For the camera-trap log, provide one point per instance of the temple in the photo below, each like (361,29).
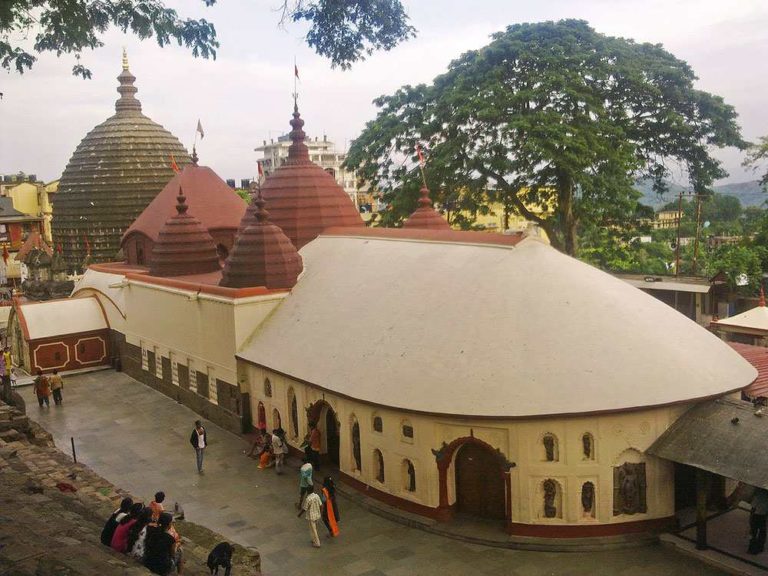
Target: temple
(448,371)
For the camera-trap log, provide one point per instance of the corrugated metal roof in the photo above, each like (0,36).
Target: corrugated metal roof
(758,357)
(723,436)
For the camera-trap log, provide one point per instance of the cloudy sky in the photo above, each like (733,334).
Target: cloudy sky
(244,96)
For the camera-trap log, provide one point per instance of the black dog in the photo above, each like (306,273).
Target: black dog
(220,556)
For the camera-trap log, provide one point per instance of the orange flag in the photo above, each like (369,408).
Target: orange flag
(174,166)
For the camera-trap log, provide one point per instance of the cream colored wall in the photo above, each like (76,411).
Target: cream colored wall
(193,327)
(618,438)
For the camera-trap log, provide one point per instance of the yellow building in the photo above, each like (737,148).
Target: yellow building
(33,198)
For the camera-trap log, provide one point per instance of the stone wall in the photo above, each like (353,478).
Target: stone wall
(53,511)
(227,412)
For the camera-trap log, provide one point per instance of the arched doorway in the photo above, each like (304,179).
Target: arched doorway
(480,485)
(325,417)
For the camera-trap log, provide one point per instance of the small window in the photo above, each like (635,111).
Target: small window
(262,417)
(407,431)
(356,453)
(378,465)
(378,425)
(277,422)
(267,388)
(294,413)
(409,476)
(588,446)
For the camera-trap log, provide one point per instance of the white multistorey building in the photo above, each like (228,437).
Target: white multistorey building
(322,152)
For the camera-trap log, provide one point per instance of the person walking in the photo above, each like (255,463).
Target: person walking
(42,389)
(330,508)
(57,385)
(305,481)
(199,441)
(312,506)
(279,449)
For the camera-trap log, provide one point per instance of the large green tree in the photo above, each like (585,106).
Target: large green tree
(757,157)
(557,119)
(344,32)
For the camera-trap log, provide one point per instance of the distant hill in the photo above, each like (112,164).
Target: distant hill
(748,193)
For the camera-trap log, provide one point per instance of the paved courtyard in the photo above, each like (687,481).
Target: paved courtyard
(138,439)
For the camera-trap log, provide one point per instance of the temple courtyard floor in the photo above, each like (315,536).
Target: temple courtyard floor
(138,439)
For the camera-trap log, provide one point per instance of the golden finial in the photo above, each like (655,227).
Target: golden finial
(125,60)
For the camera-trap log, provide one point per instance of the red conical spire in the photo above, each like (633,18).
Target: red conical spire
(262,255)
(303,198)
(425,217)
(183,247)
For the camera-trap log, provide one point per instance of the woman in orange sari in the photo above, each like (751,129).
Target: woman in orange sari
(330,509)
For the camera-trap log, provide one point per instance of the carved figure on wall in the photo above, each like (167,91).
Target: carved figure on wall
(550,493)
(586,441)
(629,489)
(588,498)
(549,447)
(411,477)
(356,445)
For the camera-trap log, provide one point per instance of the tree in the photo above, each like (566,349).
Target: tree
(345,32)
(757,155)
(554,116)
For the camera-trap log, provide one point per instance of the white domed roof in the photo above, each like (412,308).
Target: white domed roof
(453,328)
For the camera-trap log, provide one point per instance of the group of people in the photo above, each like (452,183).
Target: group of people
(269,449)
(146,533)
(47,386)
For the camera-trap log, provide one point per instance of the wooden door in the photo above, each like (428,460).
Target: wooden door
(479,483)
(332,436)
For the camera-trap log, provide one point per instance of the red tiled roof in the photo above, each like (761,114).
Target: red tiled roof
(183,246)
(758,357)
(34,240)
(209,198)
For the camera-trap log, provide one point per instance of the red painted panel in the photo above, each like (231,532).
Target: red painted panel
(70,352)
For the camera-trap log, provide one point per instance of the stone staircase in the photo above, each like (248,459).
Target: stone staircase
(47,532)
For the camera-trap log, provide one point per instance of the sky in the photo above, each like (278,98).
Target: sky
(244,96)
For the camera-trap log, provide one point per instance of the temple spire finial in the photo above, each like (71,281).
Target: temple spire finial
(125,59)
(181,207)
(126,89)
(194,156)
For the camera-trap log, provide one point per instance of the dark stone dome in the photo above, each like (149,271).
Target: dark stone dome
(303,198)
(114,173)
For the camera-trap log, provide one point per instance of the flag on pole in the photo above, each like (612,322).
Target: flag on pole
(261,169)
(421,155)
(174,166)
(296,71)
(200,129)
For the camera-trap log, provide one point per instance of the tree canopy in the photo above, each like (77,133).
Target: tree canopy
(757,157)
(344,32)
(555,118)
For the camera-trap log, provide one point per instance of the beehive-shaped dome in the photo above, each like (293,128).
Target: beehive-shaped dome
(114,173)
(303,198)
(425,216)
(184,247)
(262,255)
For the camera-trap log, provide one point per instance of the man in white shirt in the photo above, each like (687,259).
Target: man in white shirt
(313,506)
(199,441)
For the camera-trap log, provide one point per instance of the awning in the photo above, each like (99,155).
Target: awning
(724,436)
